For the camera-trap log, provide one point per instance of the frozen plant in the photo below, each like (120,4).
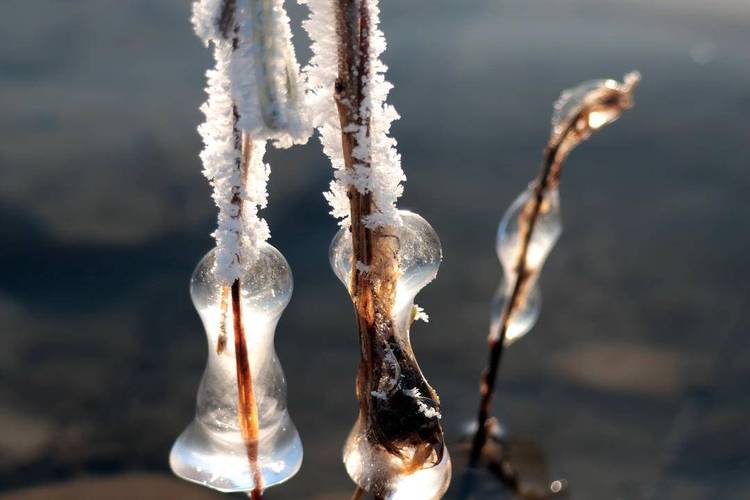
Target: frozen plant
(383,256)
(531,226)
(242,438)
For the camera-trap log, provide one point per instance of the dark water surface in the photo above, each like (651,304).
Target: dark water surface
(634,384)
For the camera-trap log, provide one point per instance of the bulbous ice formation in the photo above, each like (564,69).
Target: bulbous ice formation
(212,450)
(577,114)
(396,449)
(546,232)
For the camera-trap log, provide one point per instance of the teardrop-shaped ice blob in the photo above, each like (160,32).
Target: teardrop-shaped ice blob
(404,411)
(212,451)
(571,100)
(545,234)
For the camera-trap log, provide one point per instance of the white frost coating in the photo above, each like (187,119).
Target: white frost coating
(265,74)
(420,314)
(206,19)
(425,409)
(379,395)
(362,267)
(384,176)
(428,411)
(262,70)
(259,80)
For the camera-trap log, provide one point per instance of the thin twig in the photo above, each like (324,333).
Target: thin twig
(497,344)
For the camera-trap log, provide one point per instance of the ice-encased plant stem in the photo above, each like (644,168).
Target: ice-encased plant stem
(242,438)
(382,255)
(531,226)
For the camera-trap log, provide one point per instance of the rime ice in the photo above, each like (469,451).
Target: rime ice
(384,178)
(252,89)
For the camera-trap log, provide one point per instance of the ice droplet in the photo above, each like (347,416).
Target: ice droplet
(211,451)
(546,232)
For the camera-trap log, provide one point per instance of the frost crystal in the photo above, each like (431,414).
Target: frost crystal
(419,314)
(428,411)
(253,89)
(379,395)
(425,409)
(384,176)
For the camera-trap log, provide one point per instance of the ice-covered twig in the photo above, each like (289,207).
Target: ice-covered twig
(253,90)
(358,77)
(578,113)
(253,97)
(395,435)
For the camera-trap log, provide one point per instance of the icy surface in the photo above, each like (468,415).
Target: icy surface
(384,176)
(369,465)
(546,233)
(253,88)
(211,451)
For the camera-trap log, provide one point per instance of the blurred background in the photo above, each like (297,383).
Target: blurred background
(634,383)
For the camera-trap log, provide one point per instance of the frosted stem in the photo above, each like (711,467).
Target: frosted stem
(247,407)
(221,344)
(601,104)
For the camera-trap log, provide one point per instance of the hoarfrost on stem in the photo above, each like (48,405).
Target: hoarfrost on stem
(378,168)
(253,91)
(419,314)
